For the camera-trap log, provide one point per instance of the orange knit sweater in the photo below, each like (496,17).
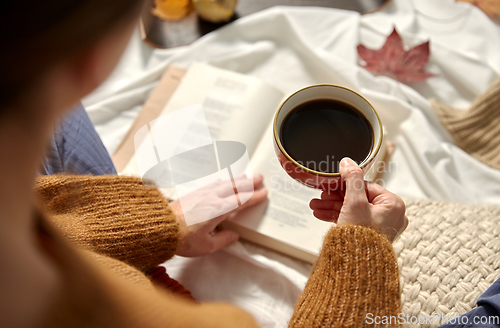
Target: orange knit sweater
(103,233)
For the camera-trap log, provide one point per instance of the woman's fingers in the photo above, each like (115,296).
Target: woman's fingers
(247,184)
(241,184)
(250,198)
(222,239)
(332,195)
(327,215)
(247,199)
(320,204)
(255,198)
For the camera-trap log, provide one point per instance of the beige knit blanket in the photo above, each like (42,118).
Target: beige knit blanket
(477,129)
(448,256)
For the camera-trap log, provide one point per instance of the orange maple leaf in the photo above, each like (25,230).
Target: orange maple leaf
(393,61)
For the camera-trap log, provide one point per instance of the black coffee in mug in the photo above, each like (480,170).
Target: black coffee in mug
(319,133)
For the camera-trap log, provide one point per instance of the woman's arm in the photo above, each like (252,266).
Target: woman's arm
(355,281)
(115,216)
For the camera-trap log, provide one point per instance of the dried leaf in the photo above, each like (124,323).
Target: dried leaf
(490,7)
(393,61)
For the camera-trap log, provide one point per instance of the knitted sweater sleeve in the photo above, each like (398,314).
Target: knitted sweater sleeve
(115,216)
(354,283)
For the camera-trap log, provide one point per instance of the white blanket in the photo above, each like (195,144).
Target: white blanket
(291,47)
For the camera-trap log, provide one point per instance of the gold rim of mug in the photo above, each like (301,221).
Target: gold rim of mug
(337,174)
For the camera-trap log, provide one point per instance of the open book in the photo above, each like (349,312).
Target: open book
(240,108)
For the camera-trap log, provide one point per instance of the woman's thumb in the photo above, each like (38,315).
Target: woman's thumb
(351,173)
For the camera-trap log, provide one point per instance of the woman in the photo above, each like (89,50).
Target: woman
(75,250)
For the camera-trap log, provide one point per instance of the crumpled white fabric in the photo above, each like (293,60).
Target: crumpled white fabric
(291,47)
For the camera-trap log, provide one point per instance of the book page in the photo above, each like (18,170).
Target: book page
(234,107)
(286,215)
(237,107)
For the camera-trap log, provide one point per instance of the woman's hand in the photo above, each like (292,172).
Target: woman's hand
(364,203)
(203,238)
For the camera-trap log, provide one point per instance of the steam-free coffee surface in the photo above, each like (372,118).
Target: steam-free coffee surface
(319,133)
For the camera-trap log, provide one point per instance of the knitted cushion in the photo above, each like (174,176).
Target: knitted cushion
(448,256)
